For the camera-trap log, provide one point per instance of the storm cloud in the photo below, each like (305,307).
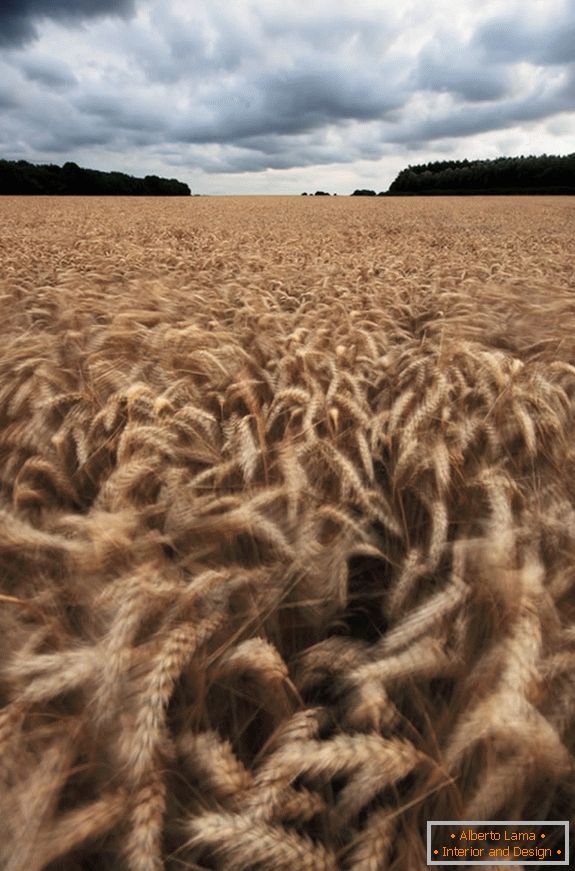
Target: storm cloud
(302,90)
(544,38)
(18,18)
(49,72)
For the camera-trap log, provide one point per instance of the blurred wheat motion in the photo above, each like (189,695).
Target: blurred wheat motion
(287,529)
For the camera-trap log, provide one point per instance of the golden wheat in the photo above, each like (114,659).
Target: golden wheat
(287,529)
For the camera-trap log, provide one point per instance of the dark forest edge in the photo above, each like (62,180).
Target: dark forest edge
(546,174)
(21,177)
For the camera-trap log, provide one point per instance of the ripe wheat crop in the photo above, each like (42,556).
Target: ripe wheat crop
(287,528)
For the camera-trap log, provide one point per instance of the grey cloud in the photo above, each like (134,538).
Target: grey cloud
(330,94)
(67,139)
(561,46)
(279,152)
(292,102)
(134,113)
(479,74)
(509,39)
(48,71)
(506,39)
(221,38)
(194,47)
(48,122)
(328,33)
(18,17)
(15,29)
(231,161)
(12,90)
(170,50)
(446,65)
(464,121)
(7,99)
(567,90)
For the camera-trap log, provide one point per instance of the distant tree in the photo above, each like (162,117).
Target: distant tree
(363,193)
(321,194)
(304,194)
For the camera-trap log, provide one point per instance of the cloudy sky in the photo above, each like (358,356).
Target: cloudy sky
(282,96)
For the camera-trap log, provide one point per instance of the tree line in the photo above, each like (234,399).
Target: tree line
(547,174)
(21,177)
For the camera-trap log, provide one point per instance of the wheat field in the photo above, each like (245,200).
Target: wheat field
(287,528)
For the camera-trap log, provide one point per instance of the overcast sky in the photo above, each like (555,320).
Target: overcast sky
(282,96)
